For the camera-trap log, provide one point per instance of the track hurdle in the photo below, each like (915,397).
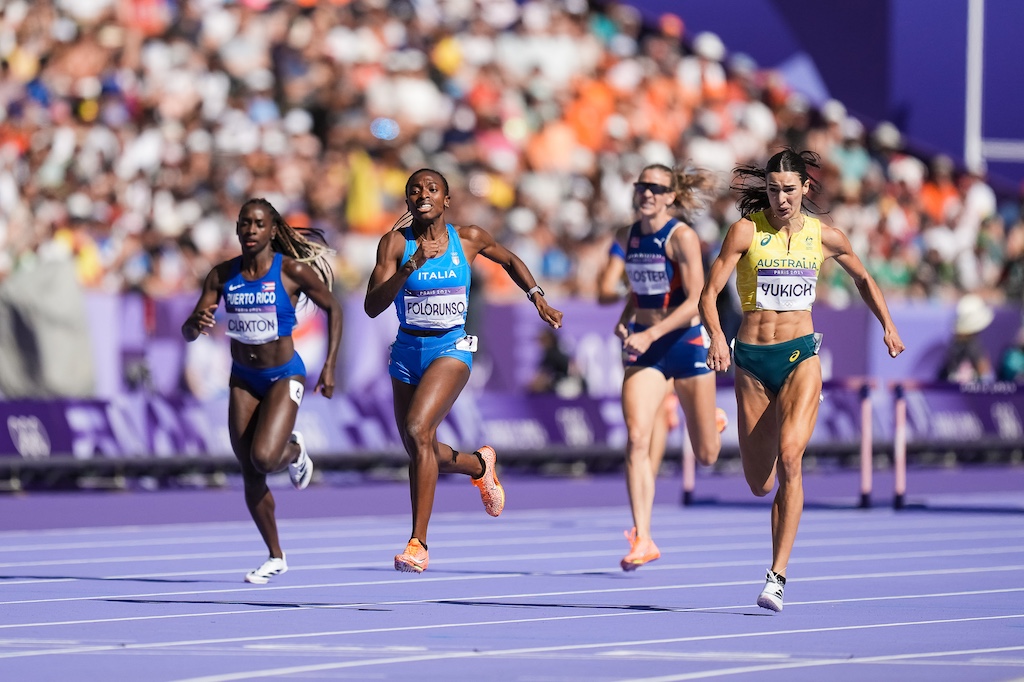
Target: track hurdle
(899,446)
(866,444)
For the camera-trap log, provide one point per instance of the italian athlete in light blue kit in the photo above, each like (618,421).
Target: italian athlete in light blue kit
(260,289)
(423,268)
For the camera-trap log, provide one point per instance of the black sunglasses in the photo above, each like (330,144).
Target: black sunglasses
(641,187)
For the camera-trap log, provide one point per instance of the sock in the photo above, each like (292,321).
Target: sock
(483,466)
(780,578)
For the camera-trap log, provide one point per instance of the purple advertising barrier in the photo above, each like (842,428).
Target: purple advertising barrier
(852,346)
(166,422)
(36,429)
(975,415)
(130,426)
(953,416)
(926,328)
(147,426)
(128,328)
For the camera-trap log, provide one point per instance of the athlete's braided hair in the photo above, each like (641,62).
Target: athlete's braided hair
(750,180)
(304,244)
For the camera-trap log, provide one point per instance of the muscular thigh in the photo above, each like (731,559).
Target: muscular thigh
(643,392)
(243,408)
(698,398)
(277,412)
(757,426)
(798,405)
(437,392)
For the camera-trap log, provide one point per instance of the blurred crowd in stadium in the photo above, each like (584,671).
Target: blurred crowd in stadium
(132,130)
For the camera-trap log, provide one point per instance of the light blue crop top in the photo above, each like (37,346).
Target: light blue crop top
(436,296)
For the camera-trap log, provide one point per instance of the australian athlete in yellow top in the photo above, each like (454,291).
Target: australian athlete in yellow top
(778,377)
(779,273)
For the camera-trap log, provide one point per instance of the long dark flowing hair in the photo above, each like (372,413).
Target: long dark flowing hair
(750,181)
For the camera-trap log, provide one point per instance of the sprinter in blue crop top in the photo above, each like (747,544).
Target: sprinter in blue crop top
(423,269)
(260,289)
(663,342)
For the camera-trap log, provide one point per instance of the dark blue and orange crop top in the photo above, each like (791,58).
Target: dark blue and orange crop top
(653,278)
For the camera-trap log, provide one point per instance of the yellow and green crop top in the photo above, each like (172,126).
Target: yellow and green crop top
(774,276)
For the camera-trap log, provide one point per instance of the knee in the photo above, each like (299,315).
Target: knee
(638,446)
(707,453)
(263,461)
(418,435)
(790,467)
(761,488)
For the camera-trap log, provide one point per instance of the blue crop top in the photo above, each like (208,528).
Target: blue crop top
(654,280)
(258,311)
(436,296)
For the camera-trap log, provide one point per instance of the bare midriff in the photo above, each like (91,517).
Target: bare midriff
(765,327)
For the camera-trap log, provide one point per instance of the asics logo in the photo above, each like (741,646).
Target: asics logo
(794,356)
(765,239)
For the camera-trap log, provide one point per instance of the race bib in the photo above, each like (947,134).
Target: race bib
(648,278)
(253,327)
(436,308)
(786,288)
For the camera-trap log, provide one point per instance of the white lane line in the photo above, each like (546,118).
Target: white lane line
(856,541)
(509,574)
(670,523)
(525,595)
(661,566)
(816,663)
(296,670)
(477,624)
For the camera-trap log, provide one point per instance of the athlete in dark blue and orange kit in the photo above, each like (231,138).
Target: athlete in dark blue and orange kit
(660,257)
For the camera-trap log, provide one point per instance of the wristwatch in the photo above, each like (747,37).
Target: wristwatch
(533,292)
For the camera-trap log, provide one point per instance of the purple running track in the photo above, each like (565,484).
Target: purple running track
(147,585)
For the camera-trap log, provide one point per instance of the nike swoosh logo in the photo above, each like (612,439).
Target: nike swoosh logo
(235,286)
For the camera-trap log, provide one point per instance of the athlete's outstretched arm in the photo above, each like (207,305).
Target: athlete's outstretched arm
(837,245)
(481,242)
(735,244)
(316,291)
